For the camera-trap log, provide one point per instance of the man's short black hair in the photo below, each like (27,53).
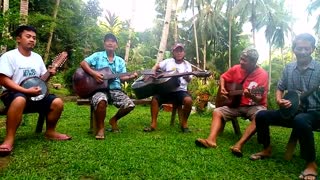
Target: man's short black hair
(305,37)
(110,36)
(22,28)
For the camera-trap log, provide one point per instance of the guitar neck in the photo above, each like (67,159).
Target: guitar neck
(176,74)
(235,92)
(46,76)
(112,76)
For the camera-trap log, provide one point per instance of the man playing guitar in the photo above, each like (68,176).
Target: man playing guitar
(247,76)
(178,96)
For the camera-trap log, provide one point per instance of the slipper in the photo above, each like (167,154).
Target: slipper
(5,150)
(99,137)
(149,129)
(308,176)
(61,137)
(113,130)
(258,156)
(204,143)
(236,151)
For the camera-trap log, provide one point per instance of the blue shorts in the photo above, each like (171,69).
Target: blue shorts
(31,106)
(176,97)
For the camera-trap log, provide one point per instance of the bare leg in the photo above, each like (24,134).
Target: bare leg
(121,113)
(14,116)
(248,133)
(216,126)
(187,105)
(100,114)
(53,116)
(154,113)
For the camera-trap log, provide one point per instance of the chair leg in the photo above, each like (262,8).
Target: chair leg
(291,145)
(173,114)
(93,125)
(40,122)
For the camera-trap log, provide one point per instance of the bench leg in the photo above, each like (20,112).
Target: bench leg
(93,122)
(40,122)
(292,143)
(236,126)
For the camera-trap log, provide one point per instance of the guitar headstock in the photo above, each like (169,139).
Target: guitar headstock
(60,59)
(201,73)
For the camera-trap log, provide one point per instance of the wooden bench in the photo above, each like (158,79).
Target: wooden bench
(135,101)
(41,118)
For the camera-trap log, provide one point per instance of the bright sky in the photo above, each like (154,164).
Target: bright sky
(144,16)
(144,13)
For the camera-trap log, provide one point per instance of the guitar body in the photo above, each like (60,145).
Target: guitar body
(233,98)
(85,85)
(34,82)
(146,86)
(294,98)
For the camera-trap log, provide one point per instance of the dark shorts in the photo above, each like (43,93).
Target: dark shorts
(31,106)
(173,97)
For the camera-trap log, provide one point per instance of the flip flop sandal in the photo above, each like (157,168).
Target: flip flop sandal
(204,143)
(236,151)
(5,150)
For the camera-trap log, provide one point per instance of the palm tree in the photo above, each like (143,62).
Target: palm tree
(252,11)
(5,32)
(24,8)
(313,6)
(165,31)
(126,56)
(55,12)
(277,28)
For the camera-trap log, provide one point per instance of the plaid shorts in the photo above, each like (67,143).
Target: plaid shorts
(115,97)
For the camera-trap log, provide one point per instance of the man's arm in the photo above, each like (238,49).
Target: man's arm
(96,75)
(11,85)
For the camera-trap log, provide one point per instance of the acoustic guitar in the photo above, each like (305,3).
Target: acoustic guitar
(233,98)
(59,60)
(161,83)
(85,85)
(296,98)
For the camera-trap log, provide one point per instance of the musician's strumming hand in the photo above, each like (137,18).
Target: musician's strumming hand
(34,91)
(284,103)
(98,77)
(223,91)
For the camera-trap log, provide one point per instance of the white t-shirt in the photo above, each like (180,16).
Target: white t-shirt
(18,67)
(171,65)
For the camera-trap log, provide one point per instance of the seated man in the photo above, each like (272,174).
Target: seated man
(15,66)
(301,75)
(249,77)
(178,96)
(116,64)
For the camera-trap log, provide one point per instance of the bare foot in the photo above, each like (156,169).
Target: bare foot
(53,135)
(310,173)
(113,124)
(100,134)
(265,153)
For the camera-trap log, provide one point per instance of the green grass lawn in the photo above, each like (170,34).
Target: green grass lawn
(132,154)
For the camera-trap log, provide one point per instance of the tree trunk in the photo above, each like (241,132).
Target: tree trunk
(165,32)
(204,55)
(175,16)
(270,65)
(5,32)
(128,45)
(230,5)
(55,12)
(24,7)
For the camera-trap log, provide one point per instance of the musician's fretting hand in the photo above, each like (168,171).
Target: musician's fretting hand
(284,103)
(247,94)
(187,78)
(34,91)
(52,70)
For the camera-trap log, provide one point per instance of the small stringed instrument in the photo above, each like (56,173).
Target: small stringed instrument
(233,98)
(59,60)
(85,85)
(296,98)
(161,83)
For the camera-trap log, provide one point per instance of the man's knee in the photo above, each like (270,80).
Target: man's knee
(57,103)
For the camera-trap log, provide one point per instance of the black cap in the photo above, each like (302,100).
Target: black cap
(110,36)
